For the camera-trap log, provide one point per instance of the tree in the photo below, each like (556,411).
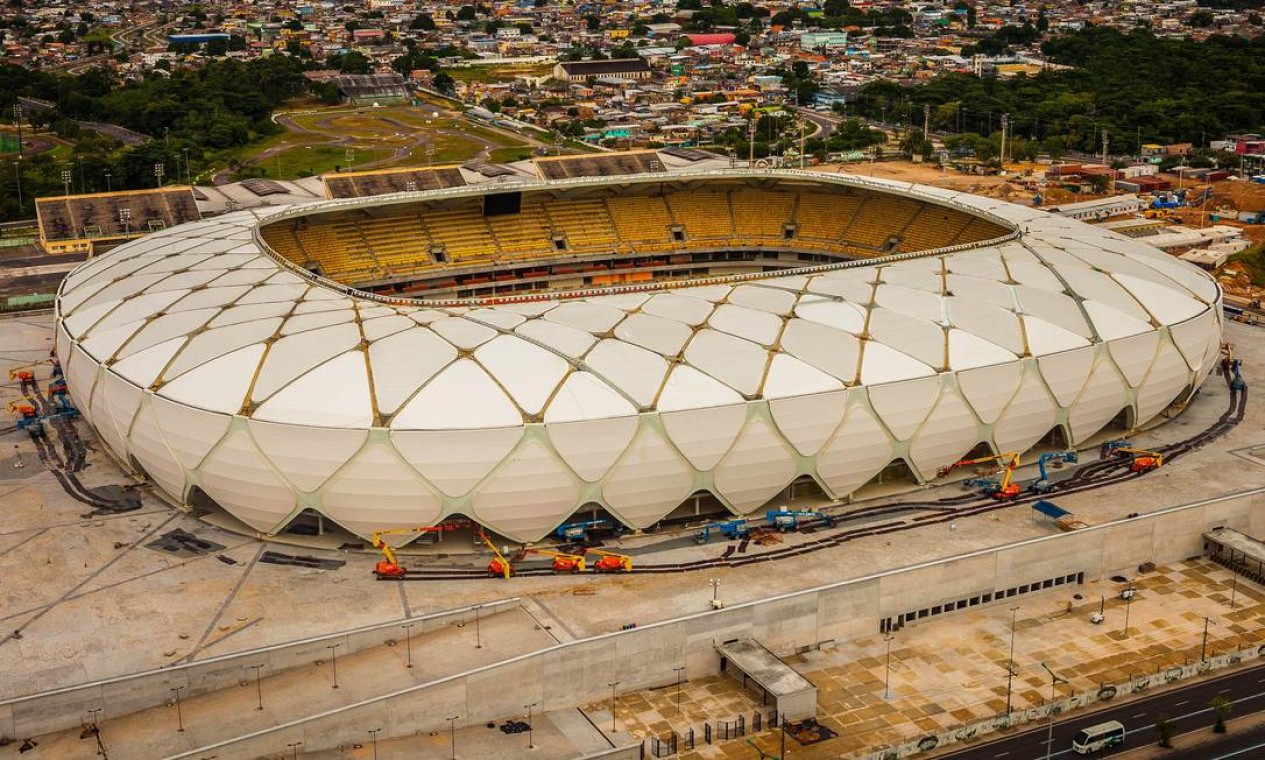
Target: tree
(353,62)
(1221,705)
(1043,23)
(466,13)
(423,21)
(1165,727)
(1201,19)
(592,23)
(970,16)
(443,82)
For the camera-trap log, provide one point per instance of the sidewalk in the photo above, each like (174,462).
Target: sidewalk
(952,670)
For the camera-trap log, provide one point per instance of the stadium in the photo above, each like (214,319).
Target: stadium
(650,346)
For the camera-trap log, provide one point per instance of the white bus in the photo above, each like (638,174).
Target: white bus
(1101,736)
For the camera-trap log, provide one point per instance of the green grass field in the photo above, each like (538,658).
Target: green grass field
(489,74)
(318,141)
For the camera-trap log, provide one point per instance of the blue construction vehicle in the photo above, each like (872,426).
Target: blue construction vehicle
(1042,483)
(579,531)
(787,520)
(1111,447)
(730,529)
(1236,367)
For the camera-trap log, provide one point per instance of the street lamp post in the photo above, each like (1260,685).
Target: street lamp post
(179,713)
(259,689)
(478,635)
(108,187)
(294,747)
(333,653)
(185,151)
(751,130)
(715,584)
(679,671)
(1203,651)
(1049,734)
(1010,664)
(887,670)
(529,739)
(1234,588)
(373,733)
(452,735)
(65,180)
(159,171)
(1128,602)
(408,642)
(613,684)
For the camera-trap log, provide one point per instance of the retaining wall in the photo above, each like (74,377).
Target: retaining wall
(63,709)
(578,672)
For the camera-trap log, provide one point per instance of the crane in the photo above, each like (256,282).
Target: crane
(28,417)
(611,562)
(731,529)
(998,488)
(562,562)
(389,566)
(1042,483)
(499,566)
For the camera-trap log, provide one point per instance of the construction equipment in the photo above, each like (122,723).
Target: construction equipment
(611,562)
(730,529)
(579,531)
(28,417)
(998,488)
(562,563)
(499,566)
(1109,448)
(787,520)
(1042,483)
(389,566)
(1143,460)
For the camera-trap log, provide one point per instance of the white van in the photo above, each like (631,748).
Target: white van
(1101,736)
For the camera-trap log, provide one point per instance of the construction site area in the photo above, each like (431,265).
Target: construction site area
(82,542)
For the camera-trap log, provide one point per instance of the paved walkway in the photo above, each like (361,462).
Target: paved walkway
(952,670)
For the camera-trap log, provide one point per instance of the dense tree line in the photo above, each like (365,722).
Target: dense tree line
(1135,86)
(203,113)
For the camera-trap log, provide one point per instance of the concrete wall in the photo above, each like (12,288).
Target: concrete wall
(645,657)
(63,709)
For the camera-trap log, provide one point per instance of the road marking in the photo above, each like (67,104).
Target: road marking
(1001,754)
(1183,702)
(1236,753)
(1140,715)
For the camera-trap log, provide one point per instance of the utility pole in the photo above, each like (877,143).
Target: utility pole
(259,689)
(679,671)
(529,739)
(1010,664)
(1049,734)
(452,735)
(1005,124)
(613,684)
(1203,651)
(926,121)
(373,732)
(1128,602)
(751,129)
(1105,143)
(179,713)
(17,116)
(408,642)
(333,652)
(887,671)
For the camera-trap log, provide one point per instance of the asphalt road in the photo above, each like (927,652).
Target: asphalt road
(1187,705)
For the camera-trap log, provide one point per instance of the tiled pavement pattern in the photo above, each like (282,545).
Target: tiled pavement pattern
(952,670)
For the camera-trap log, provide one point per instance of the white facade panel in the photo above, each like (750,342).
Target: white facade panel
(377,491)
(455,460)
(649,481)
(240,479)
(307,455)
(757,467)
(528,496)
(807,421)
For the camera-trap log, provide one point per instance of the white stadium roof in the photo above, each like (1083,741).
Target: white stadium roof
(208,363)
